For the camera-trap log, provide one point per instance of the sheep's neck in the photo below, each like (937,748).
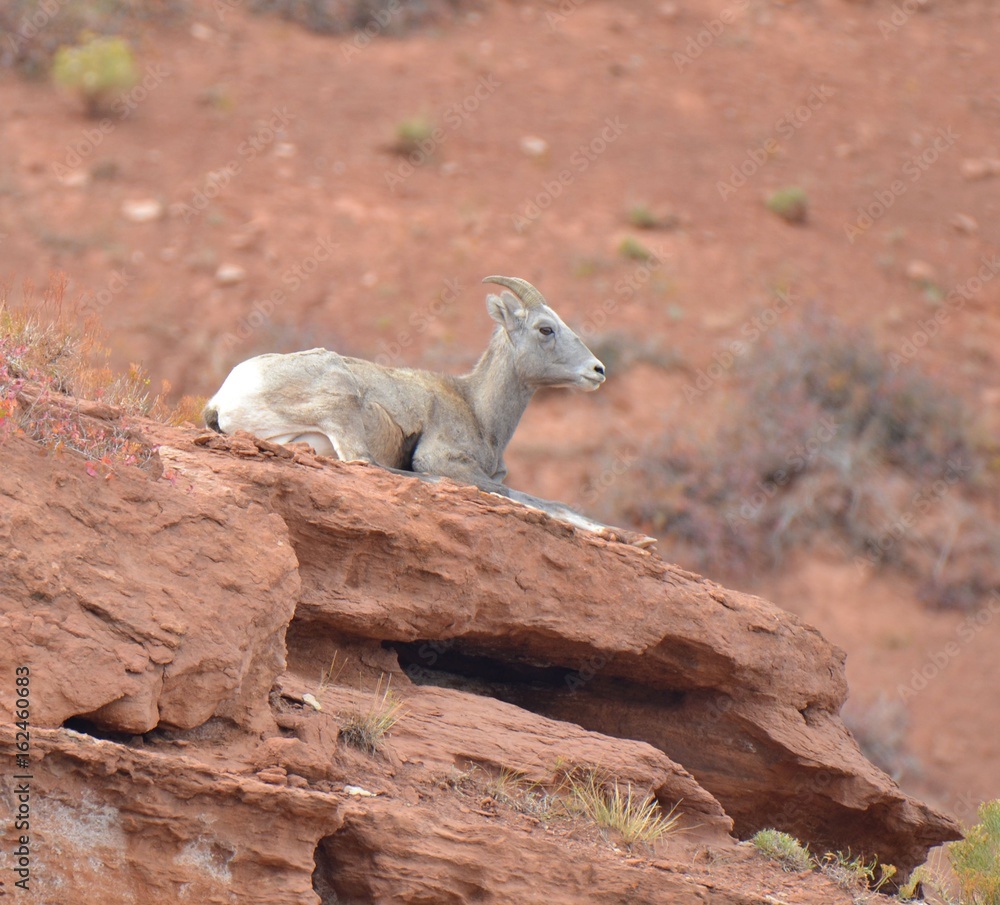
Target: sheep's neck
(498,396)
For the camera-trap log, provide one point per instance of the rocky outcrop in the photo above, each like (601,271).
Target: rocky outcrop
(124,598)
(116,823)
(743,695)
(120,823)
(171,739)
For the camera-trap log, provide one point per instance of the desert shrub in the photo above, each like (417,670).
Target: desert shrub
(45,346)
(820,438)
(902,415)
(856,874)
(99,70)
(860,877)
(632,249)
(976,858)
(374,17)
(791,204)
(971,875)
(642,216)
(783,848)
(32,31)
(187,411)
(880,729)
(414,135)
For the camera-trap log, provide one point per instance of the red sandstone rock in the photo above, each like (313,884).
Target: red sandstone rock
(125,599)
(742,694)
(163,605)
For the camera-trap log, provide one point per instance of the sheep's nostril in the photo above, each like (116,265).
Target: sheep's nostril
(600,369)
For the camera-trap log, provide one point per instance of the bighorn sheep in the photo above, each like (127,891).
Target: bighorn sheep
(417,421)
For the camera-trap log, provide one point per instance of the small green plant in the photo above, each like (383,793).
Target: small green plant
(98,70)
(976,858)
(635,817)
(791,854)
(908,890)
(791,204)
(415,136)
(634,250)
(855,874)
(367,730)
(642,216)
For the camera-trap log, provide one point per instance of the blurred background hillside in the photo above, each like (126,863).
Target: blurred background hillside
(775,222)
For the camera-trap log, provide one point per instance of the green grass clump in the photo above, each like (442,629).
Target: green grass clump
(99,70)
(976,858)
(791,204)
(642,216)
(367,730)
(415,135)
(632,249)
(783,848)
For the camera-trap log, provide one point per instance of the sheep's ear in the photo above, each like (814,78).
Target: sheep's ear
(506,309)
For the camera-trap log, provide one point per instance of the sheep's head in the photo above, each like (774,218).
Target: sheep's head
(546,352)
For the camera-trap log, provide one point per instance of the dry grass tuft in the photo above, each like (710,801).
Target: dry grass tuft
(635,817)
(367,730)
(49,367)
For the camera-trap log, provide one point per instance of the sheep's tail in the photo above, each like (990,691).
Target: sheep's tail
(211,416)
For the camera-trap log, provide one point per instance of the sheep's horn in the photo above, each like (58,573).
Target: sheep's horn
(528,294)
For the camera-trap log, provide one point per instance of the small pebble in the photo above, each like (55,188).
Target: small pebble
(75,179)
(534,146)
(230,274)
(964,224)
(142,210)
(920,272)
(976,168)
(358,792)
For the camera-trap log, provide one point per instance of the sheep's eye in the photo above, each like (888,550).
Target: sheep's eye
(546,331)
